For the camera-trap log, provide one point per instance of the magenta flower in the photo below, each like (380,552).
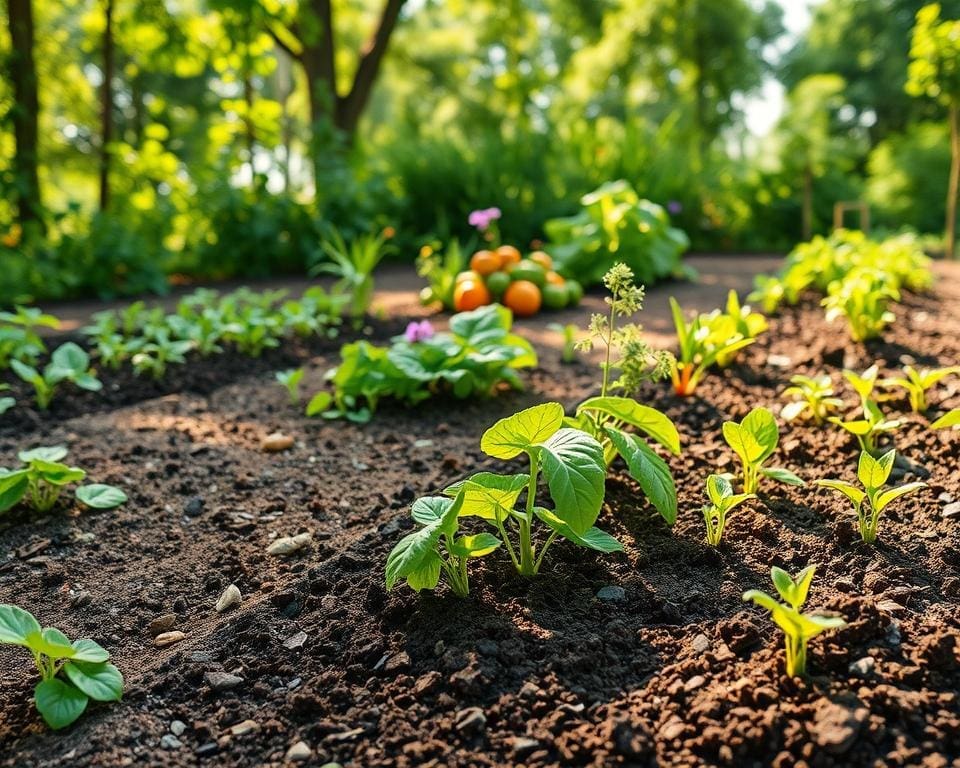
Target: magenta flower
(483,218)
(418,331)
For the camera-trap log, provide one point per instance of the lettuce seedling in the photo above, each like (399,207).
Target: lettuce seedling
(722,500)
(43,478)
(421,556)
(916,383)
(67,363)
(291,380)
(815,398)
(873,474)
(798,628)
(70,673)
(949,419)
(754,440)
(159,350)
(769,291)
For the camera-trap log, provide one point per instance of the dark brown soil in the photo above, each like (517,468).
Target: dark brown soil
(524,672)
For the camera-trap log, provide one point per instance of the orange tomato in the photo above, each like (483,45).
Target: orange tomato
(485,262)
(470,294)
(523,297)
(555,278)
(542,258)
(509,255)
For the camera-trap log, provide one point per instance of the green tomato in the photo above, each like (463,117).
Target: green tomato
(555,296)
(529,270)
(497,283)
(575,291)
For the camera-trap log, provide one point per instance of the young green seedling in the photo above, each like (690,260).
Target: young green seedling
(916,383)
(738,320)
(569,333)
(70,673)
(862,296)
(722,500)
(291,380)
(798,628)
(816,398)
(421,556)
(868,429)
(949,419)
(754,440)
(19,339)
(43,478)
(873,475)
(67,363)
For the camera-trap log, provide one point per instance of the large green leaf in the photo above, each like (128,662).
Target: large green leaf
(643,417)
(593,538)
(515,434)
(485,324)
(100,496)
(743,443)
(17,626)
(54,644)
(649,470)
(89,650)
(847,489)
(13,486)
(488,495)
(51,453)
(59,702)
(430,509)
(575,470)
(70,357)
(477,545)
(56,473)
(949,419)
(718,489)
(99,681)
(427,575)
(413,553)
(761,423)
(883,499)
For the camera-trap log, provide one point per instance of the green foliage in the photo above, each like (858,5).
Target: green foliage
(917,382)
(873,474)
(291,382)
(43,477)
(862,297)
(934,69)
(754,440)
(19,339)
(798,628)
(568,331)
(477,355)
(70,673)
(873,423)
(67,363)
(813,398)
(722,500)
(615,225)
(440,271)
(353,267)
(949,419)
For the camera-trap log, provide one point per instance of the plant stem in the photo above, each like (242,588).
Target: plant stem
(528,565)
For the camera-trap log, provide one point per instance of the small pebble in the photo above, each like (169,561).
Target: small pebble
(299,752)
(287,545)
(612,594)
(274,443)
(177,727)
(222,681)
(168,638)
(231,596)
(169,741)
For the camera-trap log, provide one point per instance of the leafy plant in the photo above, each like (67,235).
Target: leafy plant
(440,272)
(19,339)
(862,297)
(873,475)
(569,333)
(291,381)
(754,440)
(798,628)
(739,321)
(868,429)
(353,266)
(815,398)
(70,673)
(949,419)
(722,500)
(916,383)
(155,352)
(67,363)
(43,478)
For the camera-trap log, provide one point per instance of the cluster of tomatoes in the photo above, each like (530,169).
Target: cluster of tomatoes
(523,285)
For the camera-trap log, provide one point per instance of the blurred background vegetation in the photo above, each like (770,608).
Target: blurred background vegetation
(144,139)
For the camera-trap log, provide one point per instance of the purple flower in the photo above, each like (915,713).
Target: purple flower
(418,331)
(674,207)
(481,219)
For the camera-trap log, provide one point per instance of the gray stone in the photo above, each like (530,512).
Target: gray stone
(299,752)
(222,681)
(612,594)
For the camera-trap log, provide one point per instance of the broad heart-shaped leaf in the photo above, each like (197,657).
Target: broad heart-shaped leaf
(13,486)
(718,489)
(742,442)
(873,473)
(782,475)
(515,434)
(883,499)
(481,325)
(949,419)
(761,423)
(575,470)
(88,650)
(54,644)
(57,474)
(413,553)
(59,702)
(430,509)
(488,495)
(649,470)
(52,453)
(427,576)
(643,417)
(100,496)
(70,357)
(593,538)
(847,489)
(17,625)
(99,681)
(475,546)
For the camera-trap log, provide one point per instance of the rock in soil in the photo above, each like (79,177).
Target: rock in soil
(231,596)
(168,638)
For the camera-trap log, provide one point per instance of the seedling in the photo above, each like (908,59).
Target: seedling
(569,333)
(722,500)
(19,339)
(353,267)
(67,363)
(814,398)
(737,321)
(291,380)
(916,383)
(421,556)
(949,419)
(70,673)
(6,403)
(862,296)
(44,477)
(798,628)
(868,429)
(873,475)
(754,440)
(158,351)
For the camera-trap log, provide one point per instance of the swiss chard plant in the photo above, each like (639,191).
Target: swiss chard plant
(478,354)
(798,628)
(43,476)
(754,440)
(813,398)
(917,382)
(870,500)
(71,673)
(68,363)
(722,500)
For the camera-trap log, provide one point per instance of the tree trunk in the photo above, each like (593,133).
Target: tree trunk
(954,180)
(106,131)
(807,213)
(23,75)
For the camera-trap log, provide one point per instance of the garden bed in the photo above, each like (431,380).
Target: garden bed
(669,667)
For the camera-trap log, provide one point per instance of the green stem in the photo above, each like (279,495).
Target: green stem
(506,540)
(609,343)
(527,560)
(543,550)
